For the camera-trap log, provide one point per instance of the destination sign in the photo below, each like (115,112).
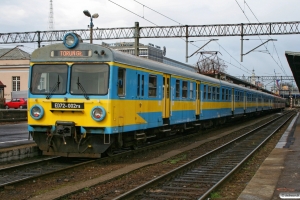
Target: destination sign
(71,53)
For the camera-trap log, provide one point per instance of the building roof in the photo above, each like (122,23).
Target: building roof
(13,54)
(2,85)
(293,59)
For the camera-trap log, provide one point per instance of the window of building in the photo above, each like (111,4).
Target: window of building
(184,89)
(177,88)
(121,81)
(152,85)
(16,83)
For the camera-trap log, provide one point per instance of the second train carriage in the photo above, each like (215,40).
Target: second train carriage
(86,99)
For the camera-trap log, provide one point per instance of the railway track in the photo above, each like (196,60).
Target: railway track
(21,173)
(34,169)
(26,171)
(201,176)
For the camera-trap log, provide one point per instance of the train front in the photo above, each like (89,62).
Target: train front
(68,99)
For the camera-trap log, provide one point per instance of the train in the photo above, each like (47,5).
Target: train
(88,100)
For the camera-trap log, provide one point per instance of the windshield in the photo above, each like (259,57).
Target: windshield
(49,79)
(89,79)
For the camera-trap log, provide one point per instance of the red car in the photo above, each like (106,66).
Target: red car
(16,103)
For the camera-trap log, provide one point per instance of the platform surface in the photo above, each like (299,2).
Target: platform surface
(279,175)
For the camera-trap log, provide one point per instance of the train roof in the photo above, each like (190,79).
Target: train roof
(110,55)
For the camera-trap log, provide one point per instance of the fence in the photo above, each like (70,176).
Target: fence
(9,115)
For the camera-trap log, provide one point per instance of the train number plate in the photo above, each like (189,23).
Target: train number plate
(63,105)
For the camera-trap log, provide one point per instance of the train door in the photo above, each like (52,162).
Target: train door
(198,95)
(166,96)
(140,95)
(232,101)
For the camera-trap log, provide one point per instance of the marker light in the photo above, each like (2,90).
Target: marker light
(70,40)
(98,113)
(36,112)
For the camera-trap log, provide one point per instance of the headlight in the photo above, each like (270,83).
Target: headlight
(36,112)
(70,40)
(98,113)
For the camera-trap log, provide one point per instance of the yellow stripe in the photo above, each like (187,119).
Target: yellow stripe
(133,67)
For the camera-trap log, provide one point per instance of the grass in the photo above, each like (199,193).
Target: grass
(215,195)
(176,159)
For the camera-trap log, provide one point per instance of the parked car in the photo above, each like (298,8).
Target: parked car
(16,103)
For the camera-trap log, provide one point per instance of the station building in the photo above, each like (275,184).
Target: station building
(14,68)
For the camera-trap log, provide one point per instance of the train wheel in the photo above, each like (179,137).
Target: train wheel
(109,152)
(134,146)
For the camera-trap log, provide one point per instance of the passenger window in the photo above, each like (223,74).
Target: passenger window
(213,93)
(218,93)
(152,85)
(209,92)
(121,81)
(138,85)
(204,91)
(191,91)
(223,95)
(227,95)
(142,86)
(184,89)
(177,88)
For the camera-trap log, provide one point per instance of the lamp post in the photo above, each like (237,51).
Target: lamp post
(88,14)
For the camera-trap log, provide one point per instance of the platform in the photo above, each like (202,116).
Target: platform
(279,175)
(15,143)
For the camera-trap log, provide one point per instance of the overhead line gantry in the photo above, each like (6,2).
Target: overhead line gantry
(217,30)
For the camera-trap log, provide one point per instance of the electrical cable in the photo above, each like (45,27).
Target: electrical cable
(176,22)
(281,67)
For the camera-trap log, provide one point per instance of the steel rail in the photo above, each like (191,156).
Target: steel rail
(205,195)
(102,160)
(132,193)
(22,168)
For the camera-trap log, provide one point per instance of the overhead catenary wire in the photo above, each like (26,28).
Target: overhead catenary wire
(281,67)
(270,38)
(143,17)
(248,71)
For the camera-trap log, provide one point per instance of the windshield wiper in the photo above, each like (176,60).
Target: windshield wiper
(54,88)
(83,90)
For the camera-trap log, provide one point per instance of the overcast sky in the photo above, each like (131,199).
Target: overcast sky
(33,15)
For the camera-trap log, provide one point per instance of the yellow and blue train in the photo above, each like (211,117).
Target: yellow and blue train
(86,100)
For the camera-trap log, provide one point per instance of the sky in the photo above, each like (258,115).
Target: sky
(268,60)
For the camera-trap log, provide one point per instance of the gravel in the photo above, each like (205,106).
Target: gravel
(29,189)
